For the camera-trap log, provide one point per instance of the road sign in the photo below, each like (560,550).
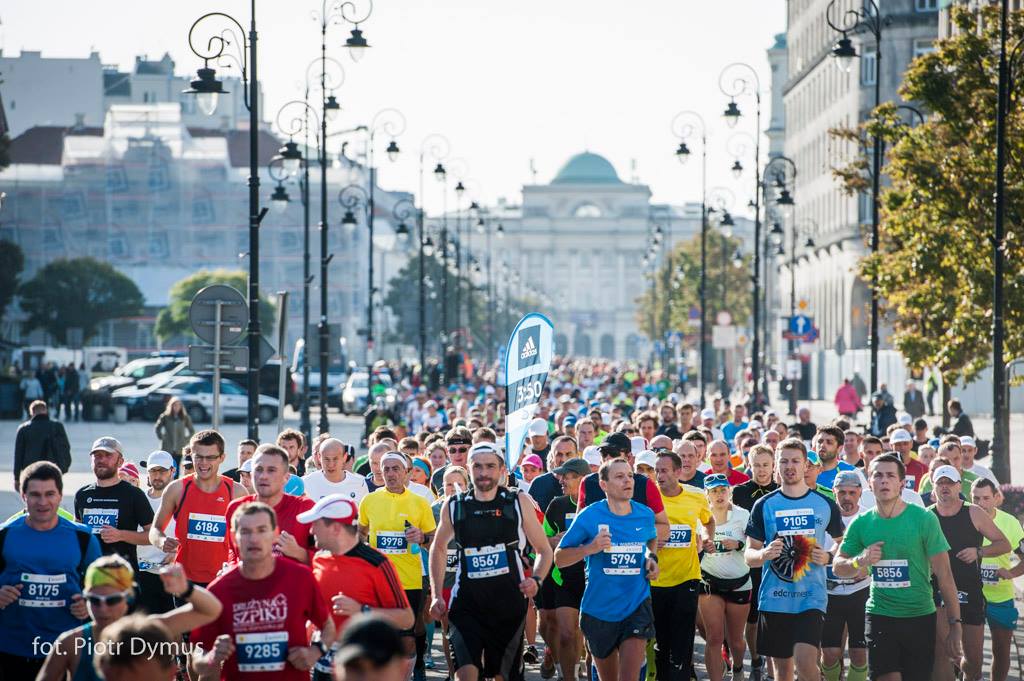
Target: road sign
(694,312)
(723,337)
(812,335)
(839,347)
(266,352)
(723,318)
(802,304)
(234,314)
(233,358)
(800,325)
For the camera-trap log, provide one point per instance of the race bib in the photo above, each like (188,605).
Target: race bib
(325,665)
(988,574)
(569,517)
(98,518)
(795,521)
(42,591)
(204,527)
(452,561)
(486,561)
(392,543)
(831,581)
(624,559)
(265,652)
(909,481)
(891,574)
(679,537)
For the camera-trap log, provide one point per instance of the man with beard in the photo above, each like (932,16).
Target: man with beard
(491,526)
(787,531)
(546,487)
(154,598)
(198,503)
(847,597)
(829,441)
(113,509)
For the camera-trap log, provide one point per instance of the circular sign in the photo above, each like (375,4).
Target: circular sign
(723,318)
(234,314)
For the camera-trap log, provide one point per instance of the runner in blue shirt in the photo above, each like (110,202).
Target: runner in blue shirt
(828,443)
(787,531)
(42,561)
(617,538)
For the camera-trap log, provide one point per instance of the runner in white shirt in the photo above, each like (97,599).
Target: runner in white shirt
(333,478)
(968,448)
(154,599)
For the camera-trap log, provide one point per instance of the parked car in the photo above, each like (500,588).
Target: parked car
(355,396)
(100,390)
(337,375)
(196,393)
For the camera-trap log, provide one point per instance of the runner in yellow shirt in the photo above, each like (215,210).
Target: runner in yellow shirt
(674,594)
(997,573)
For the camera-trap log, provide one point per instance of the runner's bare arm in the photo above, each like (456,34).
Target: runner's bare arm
(139,538)
(202,607)
(439,551)
(708,540)
(999,543)
(947,587)
(661,525)
(238,490)
(58,663)
(535,535)
(168,503)
(757,554)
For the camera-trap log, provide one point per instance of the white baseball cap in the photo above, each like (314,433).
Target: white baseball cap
(968,441)
(707,414)
(946,472)
(900,435)
(160,459)
(905,419)
(646,458)
(538,427)
(246,466)
(592,456)
(637,444)
(333,506)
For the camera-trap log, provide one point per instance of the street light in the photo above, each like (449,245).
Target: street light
(737,80)
(332,108)
(434,148)
(207,88)
(685,125)
(781,173)
(279,199)
(869,19)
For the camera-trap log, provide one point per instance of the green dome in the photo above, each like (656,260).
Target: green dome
(587,168)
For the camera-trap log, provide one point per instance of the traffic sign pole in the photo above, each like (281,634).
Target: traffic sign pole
(216,364)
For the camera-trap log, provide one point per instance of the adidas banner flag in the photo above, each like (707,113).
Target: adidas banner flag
(527,362)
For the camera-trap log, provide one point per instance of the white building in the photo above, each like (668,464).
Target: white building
(819,96)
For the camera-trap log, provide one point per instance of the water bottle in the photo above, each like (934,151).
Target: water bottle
(413,548)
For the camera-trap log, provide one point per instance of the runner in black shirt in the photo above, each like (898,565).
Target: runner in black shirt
(113,509)
(761,460)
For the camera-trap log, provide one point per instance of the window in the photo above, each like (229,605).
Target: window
(868,65)
(926,5)
(587,210)
(922,47)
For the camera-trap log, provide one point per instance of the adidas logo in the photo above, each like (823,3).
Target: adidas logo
(529,349)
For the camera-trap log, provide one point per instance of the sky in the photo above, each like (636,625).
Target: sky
(508,84)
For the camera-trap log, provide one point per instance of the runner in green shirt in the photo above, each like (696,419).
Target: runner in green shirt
(997,573)
(903,545)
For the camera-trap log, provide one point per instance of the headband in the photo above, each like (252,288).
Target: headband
(120,576)
(394,456)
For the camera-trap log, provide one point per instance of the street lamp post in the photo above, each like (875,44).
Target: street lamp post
(867,18)
(722,200)
(781,170)
(433,149)
(685,125)
(736,80)
(207,88)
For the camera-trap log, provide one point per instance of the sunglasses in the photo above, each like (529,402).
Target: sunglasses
(458,450)
(716,477)
(112,599)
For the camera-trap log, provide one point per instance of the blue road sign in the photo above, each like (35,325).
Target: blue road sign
(800,325)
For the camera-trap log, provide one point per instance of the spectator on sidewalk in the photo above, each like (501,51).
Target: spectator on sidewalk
(913,400)
(40,439)
(961,422)
(31,390)
(846,399)
(174,428)
(883,414)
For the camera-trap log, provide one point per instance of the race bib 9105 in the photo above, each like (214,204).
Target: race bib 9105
(794,521)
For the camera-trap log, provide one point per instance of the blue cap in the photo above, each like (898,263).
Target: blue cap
(569,421)
(812,457)
(716,480)
(934,442)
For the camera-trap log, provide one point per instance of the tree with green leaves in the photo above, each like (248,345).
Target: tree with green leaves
(78,293)
(934,264)
(12,262)
(675,287)
(173,319)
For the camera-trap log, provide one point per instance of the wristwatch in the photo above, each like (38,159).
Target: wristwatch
(954,620)
(320,646)
(365,609)
(184,595)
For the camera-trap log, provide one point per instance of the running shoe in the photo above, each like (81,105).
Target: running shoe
(757,669)
(530,655)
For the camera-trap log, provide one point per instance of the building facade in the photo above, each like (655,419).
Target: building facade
(817,97)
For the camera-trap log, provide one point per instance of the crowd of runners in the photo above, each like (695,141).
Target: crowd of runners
(631,522)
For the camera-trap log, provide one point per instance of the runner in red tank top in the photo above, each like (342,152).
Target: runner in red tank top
(199,505)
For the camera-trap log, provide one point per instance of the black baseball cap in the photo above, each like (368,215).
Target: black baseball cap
(576,465)
(369,637)
(619,441)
